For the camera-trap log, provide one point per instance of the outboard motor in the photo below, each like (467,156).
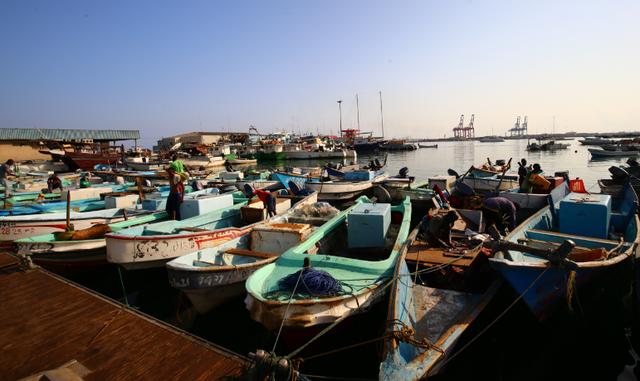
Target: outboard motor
(378,165)
(404,171)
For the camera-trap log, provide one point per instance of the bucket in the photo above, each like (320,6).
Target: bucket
(577,186)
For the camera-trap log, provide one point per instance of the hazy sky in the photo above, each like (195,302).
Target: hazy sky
(167,67)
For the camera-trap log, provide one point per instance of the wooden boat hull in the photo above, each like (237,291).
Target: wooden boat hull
(145,252)
(549,294)
(87,161)
(314,155)
(428,145)
(531,201)
(307,312)
(339,190)
(13,230)
(490,184)
(598,153)
(608,279)
(207,287)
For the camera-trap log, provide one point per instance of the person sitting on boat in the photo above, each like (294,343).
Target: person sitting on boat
(176,193)
(436,229)
(84,182)
(500,212)
(522,171)
(54,182)
(228,167)
(268,200)
(6,170)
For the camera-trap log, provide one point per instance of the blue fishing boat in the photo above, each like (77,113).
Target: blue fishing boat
(436,295)
(580,245)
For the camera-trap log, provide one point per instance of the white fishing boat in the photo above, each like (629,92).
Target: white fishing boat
(490,184)
(206,161)
(153,245)
(341,189)
(320,154)
(214,275)
(599,153)
(25,226)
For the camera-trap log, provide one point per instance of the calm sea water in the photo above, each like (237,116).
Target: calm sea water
(459,156)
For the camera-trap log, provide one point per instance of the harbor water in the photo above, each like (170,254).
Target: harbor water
(514,347)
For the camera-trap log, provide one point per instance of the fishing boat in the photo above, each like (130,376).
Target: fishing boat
(493,183)
(339,153)
(491,139)
(151,246)
(556,255)
(354,266)
(203,162)
(548,146)
(214,275)
(53,207)
(595,141)
(398,145)
(85,249)
(85,156)
(340,189)
(145,165)
(17,227)
(240,161)
(436,306)
(600,153)
(419,193)
(427,145)
(489,169)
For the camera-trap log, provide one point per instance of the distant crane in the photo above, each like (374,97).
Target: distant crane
(519,129)
(462,132)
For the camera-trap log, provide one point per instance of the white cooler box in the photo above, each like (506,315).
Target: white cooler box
(192,207)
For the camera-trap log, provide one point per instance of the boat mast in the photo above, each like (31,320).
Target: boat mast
(381,115)
(340,110)
(358,110)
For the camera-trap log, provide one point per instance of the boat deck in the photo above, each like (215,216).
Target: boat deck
(50,323)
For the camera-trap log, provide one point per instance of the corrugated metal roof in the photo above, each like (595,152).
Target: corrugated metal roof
(64,134)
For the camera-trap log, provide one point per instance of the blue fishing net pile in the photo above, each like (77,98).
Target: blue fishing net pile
(313,282)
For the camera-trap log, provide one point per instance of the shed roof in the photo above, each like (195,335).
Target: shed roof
(66,134)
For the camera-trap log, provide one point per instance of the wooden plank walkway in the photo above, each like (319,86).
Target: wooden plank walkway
(47,322)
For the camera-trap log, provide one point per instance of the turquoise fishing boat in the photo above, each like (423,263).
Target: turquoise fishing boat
(581,244)
(357,259)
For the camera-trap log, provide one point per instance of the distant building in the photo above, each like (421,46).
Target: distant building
(25,143)
(200,138)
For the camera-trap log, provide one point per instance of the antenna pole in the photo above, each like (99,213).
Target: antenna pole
(358,110)
(340,111)
(381,115)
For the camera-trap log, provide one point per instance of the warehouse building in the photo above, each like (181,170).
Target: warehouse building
(25,143)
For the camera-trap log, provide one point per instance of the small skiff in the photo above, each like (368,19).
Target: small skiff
(555,249)
(50,251)
(362,274)
(214,275)
(152,245)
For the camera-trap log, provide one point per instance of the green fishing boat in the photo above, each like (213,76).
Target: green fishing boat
(353,252)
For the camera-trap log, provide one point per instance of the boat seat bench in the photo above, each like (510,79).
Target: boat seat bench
(587,242)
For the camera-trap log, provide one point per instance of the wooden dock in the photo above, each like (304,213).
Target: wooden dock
(48,323)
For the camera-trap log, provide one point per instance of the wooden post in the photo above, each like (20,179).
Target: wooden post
(68,210)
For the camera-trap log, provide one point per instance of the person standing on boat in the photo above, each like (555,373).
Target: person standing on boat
(176,193)
(268,199)
(6,170)
(436,230)
(501,213)
(522,171)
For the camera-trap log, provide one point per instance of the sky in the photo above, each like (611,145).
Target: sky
(169,67)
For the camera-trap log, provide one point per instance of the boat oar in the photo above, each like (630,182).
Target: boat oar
(556,256)
(504,171)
